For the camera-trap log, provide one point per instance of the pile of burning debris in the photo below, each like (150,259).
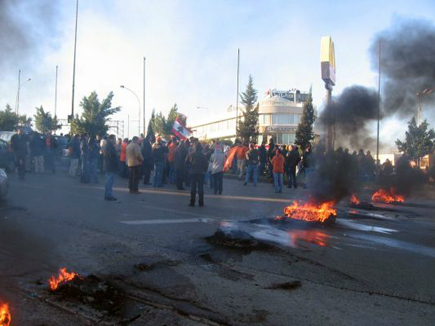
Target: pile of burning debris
(309,212)
(89,290)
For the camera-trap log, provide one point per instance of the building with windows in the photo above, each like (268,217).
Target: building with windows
(279,116)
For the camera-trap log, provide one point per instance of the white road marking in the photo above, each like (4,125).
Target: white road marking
(185,220)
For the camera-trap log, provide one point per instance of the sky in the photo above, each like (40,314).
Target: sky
(191,51)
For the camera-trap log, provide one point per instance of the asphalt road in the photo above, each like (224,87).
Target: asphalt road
(363,270)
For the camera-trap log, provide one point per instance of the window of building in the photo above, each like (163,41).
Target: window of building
(287,139)
(283,119)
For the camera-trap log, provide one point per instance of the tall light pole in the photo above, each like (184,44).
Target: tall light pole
(17,107)
(237,96)
(74,64)
(138,101)
(379,103)
(144,121)
(55,95)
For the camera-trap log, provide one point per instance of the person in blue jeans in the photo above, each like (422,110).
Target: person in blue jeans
(94,153)
(158,154)
(252,160)
(111,166)
(278,170)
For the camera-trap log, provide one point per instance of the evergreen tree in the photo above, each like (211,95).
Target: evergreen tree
(304,133)
(95,115)
(44,122)
(247,128)
(150,131)
(419,141)
(163,125)
(8,119)
(160,125)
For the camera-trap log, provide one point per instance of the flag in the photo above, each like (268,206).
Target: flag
(179,130)
(229,162)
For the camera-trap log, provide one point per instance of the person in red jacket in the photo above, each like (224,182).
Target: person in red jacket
(278,170)
(122,158)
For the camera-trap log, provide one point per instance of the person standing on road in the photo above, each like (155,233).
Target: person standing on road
(292,161)
(198,165)
(217,161)
(278,170)
(122,159)
(50,152)
(241,157)
(37,152)
(94,155)
(252,158)
(180,158)
(134,162)
(74,154)
(147,164)
(158,154)
(263,157)
(84,156)
(171,160)
(19,147)
(270,154)
(111,167)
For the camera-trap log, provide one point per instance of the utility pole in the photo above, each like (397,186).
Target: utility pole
(55,95)
(237,96)
(74,64)
(144,120)
(17,102)
(379,103)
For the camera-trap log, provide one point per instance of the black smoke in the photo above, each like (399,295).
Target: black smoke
(26,28)
(407,65)
(351,113)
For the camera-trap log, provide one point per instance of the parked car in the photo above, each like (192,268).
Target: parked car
(7,135)
(7,158)
(4,184)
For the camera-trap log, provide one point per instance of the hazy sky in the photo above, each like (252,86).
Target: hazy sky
(191,50)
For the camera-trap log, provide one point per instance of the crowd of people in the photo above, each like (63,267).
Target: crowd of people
(185,163)
(35,152)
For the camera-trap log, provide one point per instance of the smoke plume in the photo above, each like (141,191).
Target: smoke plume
(26,26)
(351,113)
(407,65)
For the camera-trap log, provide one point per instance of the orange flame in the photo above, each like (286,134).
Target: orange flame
(5,316)
(354,200)
(309,212)
(385,196)
(63,277)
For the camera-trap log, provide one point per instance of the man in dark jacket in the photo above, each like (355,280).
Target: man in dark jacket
(50,152)
(292,160)
(252,158)
(111,165)
(180,158)
(84,155)
(158,154)
(147,164)
(37,147)
(198,165)
(19,146)
(74,154)
(263,156)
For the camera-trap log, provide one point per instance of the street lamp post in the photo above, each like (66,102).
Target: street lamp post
(17,108)
(138,101)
